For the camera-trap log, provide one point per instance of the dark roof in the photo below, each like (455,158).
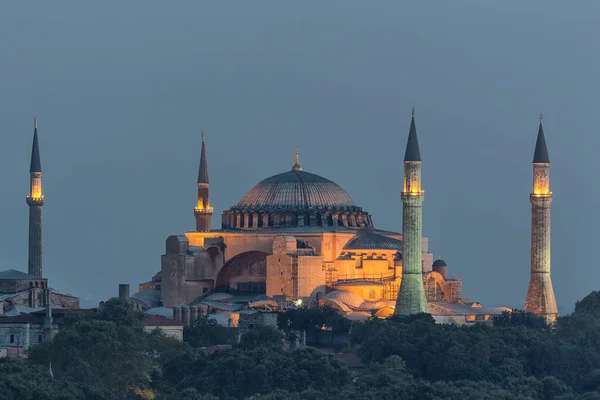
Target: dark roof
(367,238)
(214,348)
(439,263)
(13,274)
(203,169)
(150,297)
(36,164)
(412,145)
(541,151)
(157,320)
(296,190)
(23,319)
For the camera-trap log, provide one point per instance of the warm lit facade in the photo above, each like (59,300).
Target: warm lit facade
(293,236)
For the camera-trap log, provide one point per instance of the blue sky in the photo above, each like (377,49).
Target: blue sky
(122,90)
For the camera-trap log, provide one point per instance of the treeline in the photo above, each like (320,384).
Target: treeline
(109,356)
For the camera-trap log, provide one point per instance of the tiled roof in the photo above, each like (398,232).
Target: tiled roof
(23,319)
(13,274)
(157,320)
(369,239)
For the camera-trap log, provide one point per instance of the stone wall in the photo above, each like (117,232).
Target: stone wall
(22,335)
(248,321)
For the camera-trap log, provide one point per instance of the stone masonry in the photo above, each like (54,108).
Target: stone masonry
(540,298)
(411,297)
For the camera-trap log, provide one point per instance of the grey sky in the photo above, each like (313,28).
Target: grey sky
(122,89)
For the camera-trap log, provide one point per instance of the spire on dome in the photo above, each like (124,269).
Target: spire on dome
(203,170)
(412,145)
(36,165)
(540,154)
(297,167)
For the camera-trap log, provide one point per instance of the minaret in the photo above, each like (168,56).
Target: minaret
(203,211)
(411,297)
(35,200)
(540,295)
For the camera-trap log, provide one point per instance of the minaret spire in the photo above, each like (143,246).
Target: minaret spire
(411,296)
(35,199)
(203,211)
(412,152)
(540,298)
(203,169)
(540,155)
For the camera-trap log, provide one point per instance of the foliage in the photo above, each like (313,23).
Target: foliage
(313,319)
(261,336)
(207,332)
(107,355)
(520,318)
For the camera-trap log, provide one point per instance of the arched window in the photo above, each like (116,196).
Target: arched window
(371,294)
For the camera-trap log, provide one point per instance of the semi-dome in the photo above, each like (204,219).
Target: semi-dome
(370,239)
(348,298)
(295,199)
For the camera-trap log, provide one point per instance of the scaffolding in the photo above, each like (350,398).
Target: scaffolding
(294,277)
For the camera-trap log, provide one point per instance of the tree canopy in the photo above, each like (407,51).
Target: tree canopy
(107,355)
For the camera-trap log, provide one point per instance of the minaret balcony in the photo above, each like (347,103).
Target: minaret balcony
(35,200)
(549,194)
(205,210)
(415,193)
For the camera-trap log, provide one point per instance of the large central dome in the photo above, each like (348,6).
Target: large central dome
(295,199)
(296,190)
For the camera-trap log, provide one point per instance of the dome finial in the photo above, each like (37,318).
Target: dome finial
(297,167)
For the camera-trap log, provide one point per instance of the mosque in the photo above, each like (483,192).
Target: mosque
(299,237)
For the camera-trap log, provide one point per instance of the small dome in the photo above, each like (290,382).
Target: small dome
(373,305)
(218,297)
(439,263)
(348,298)
(368,238)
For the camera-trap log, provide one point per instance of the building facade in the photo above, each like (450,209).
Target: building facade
(294,236)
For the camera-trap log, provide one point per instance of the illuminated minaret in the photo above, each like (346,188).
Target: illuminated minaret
(540,295)
(203,211)
(35,200)
(411,297)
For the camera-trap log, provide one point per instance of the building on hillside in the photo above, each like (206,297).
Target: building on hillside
(169,327)
(295,236)
(18,333)
(20,289)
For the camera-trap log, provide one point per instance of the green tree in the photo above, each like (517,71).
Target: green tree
(261,336)
(207,332)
